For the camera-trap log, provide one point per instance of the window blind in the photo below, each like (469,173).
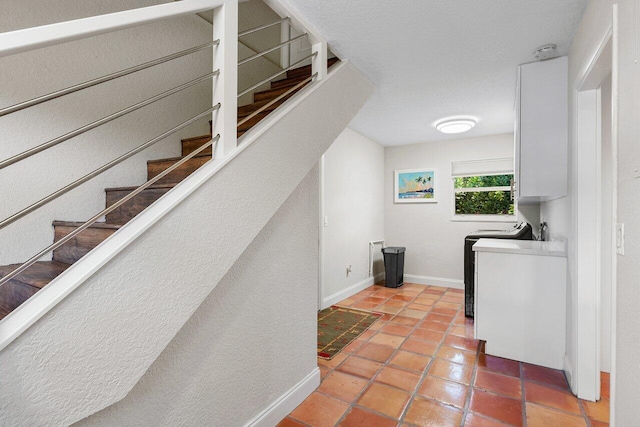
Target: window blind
(502,166)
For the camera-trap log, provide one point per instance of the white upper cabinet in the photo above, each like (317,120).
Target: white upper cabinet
(541,131)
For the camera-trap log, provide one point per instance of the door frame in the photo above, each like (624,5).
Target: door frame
(321,226)
(587,216)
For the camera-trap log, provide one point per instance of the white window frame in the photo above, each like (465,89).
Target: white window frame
(481,217)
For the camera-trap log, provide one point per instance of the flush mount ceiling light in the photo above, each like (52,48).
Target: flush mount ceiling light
(455,125)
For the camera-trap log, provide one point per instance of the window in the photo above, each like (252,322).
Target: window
(483,190)
(483,195)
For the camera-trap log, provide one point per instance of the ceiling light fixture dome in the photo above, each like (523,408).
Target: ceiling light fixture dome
(455,125)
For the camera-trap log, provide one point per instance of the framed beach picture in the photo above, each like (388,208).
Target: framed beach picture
(415,186)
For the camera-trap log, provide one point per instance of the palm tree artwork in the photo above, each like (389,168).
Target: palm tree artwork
(415,186)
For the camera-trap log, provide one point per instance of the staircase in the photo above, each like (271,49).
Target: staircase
(25,285)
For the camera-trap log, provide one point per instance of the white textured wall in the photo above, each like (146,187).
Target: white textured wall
(435,243)
(353,203)
(251,340)
(627,358)
(558,213)
(35,73)
(91,349)
(595,23)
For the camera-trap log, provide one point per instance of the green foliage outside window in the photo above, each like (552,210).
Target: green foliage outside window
(483,181)
(483,202)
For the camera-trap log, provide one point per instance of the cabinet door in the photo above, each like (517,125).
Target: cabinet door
(515,186)
(477,332)
(543,129)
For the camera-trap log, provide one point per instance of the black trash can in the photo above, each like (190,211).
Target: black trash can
(393,266)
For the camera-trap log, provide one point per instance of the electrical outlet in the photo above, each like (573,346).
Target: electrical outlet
(325,221)
(620,239)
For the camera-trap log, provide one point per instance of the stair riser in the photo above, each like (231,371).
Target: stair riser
(298,72)
(154,168)
(245,111)
(12,294)
(134,206)
(252,122)
(80,245)
(191,145)
(288,82)
(271,94)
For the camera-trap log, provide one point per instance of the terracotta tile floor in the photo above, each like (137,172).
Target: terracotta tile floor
(420,366)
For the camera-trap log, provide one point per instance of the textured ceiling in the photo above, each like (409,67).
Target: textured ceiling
(431,59)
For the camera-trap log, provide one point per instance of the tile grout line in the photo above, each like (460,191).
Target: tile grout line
(426,369)
(375,375)
(433,357)
(523,397)
(423,374)
(472,381)
(584,413)
(414,328)
(451,325)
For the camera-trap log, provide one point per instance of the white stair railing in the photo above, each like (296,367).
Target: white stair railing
(223,110)
(318,42)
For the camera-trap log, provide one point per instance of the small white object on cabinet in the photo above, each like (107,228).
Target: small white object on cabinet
(541,131)
(520,300)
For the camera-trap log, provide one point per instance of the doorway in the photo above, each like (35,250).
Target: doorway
(593,269)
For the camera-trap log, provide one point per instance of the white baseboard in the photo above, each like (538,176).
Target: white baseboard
(435,281)
(351,290)
(286,403)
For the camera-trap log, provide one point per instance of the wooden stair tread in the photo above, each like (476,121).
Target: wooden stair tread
(156,167)
(175,159)
(245,110)
(252,108)
(104,225)
(289,81)
(135,205)
(83,242)
(151,187)
(273,93)
(37,275)
(297,72)
(195,138)
(26,284)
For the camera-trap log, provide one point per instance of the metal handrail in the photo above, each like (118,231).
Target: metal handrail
(262,27)
(270,103)
(268,79)
(271,49)
(103,168)
(103,79)
(104,212)
(30,152)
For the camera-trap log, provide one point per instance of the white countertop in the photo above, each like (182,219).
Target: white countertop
(522,247)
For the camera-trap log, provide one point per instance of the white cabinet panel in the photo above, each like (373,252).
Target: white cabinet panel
(541,134)
(520,307)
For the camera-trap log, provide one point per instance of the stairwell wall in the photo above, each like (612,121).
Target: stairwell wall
(35,73)
(250,342)
(90,350)
(353,200)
